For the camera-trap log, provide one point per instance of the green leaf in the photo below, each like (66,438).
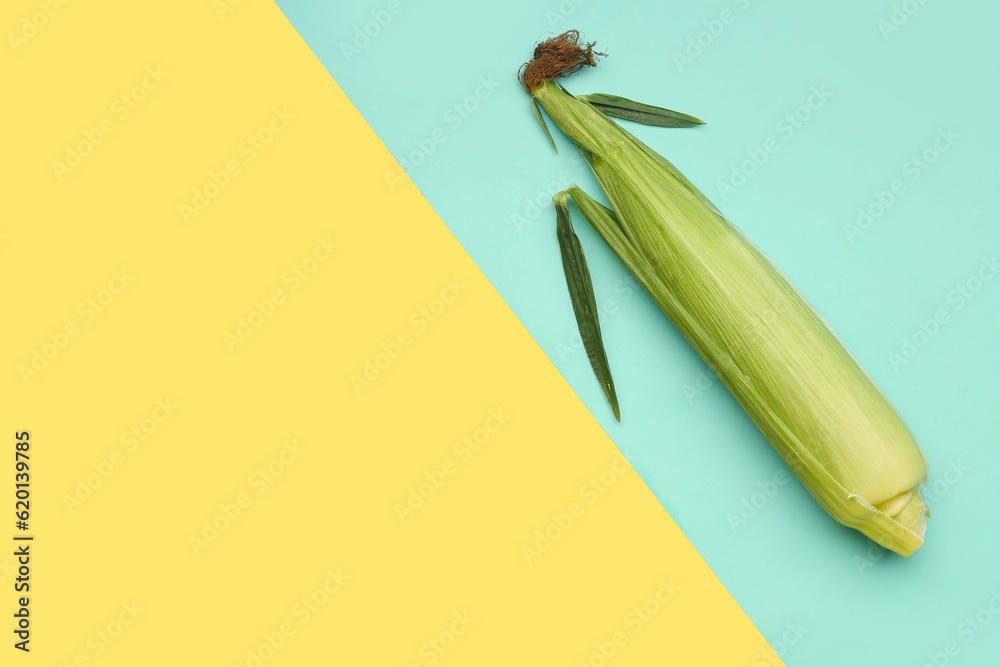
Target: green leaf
(538,115)
(620,107)
(581,291)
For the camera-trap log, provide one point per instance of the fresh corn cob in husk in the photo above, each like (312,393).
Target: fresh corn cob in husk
(812,399)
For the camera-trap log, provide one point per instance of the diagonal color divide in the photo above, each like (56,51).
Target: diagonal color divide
(278,416)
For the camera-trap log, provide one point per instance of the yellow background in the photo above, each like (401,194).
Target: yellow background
(150,422)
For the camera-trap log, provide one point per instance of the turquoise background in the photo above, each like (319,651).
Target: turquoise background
(821,593)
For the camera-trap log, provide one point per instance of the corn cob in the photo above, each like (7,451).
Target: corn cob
(807,393)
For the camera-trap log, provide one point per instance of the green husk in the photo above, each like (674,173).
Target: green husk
(810,397)
(620,107)
(584,303)
(538,115)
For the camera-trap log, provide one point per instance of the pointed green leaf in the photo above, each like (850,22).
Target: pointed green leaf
(620,107)
(538,115)
(581,291)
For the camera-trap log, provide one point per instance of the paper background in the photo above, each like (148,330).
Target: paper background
(240,356)
(896,77)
